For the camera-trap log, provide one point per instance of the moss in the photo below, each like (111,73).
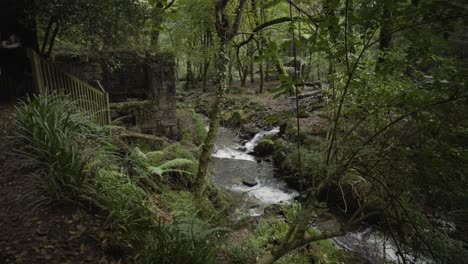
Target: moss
(237,118)
(264,147)
(190,126)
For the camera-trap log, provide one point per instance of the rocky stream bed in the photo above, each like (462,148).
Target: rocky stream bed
(254,183)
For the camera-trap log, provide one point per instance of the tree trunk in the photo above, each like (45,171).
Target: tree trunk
(215,116)
(385,36)
(243,71)
(189,78)
(230,78)
(225,33)
(206,66)
(279,65)
(262,76)
(251,63)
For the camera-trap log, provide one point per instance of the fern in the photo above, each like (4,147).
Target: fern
(170,167)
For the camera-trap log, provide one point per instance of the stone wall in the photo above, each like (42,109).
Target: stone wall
(141,86)
(146,116)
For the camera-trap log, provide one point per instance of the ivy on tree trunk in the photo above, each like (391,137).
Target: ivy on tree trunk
(226,33)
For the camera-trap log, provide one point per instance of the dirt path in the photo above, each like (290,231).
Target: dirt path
(42,235)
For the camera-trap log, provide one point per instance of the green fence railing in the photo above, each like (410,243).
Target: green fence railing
(48,79)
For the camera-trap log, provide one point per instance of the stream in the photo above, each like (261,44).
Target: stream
(232,164)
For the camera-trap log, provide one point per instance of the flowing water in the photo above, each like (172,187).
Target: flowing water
(232,164)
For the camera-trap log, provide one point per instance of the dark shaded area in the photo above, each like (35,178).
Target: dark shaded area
(15,80)
(58,234)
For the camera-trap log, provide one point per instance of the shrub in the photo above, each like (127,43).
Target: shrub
(267,233)
(50,132)
(264,147)
(185,204)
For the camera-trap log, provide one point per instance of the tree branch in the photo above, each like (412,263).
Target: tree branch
(265,25)
(169,5)
(238,20)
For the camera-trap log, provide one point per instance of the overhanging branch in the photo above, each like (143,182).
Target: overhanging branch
(265,25)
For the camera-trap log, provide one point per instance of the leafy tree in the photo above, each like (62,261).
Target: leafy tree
(84,21)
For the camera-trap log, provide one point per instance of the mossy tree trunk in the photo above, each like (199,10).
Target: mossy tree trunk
(226,33)
(215,116)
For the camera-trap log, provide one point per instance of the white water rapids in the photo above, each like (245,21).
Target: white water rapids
(232,164)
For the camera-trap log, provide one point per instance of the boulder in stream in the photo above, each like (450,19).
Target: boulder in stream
(249,182)
(264,147)
(243,149)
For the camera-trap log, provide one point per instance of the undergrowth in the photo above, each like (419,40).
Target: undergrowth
(46,132)
(77,162)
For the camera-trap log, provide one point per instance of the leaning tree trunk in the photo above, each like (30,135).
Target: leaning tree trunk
(215,117)
(225,33)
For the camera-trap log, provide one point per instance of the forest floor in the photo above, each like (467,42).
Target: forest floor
(314,123)
(59,234)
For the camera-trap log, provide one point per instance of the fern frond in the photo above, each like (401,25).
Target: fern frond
(176,163)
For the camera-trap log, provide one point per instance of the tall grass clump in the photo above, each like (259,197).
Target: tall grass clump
(49,132)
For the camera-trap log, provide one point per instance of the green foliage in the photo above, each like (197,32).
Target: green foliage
(184,204)
(82,21)
(237,118)
(288,86)
(185,242)
(264,147)
(267,233)
(125,206)
(191,127)
(154,169)
(139,231)
(50,132)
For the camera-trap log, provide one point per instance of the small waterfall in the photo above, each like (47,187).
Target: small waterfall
(232,164)
(254,141)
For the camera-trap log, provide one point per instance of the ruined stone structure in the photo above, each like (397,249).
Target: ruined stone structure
(141,87)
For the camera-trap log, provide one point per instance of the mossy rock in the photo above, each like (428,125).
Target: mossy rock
(264,147)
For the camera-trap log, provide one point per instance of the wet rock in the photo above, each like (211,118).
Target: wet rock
(248,182)
(249,131)
(243,149)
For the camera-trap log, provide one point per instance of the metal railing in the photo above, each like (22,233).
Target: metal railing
(48,79)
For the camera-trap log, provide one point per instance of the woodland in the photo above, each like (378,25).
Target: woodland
(357,109)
